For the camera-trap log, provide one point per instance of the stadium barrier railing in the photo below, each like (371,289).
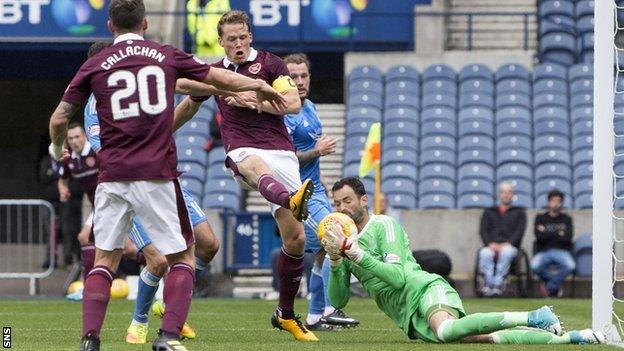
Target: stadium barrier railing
(26,240)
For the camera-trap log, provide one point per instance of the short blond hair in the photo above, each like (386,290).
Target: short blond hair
(297,58)
(233,17)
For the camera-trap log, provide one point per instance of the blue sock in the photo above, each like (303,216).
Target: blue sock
(200,265)
(148,284)
(317,302)
(326,281)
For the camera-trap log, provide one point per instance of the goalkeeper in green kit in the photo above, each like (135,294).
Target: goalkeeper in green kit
(422,304)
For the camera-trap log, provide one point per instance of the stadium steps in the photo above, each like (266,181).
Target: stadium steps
(491,32)
(333,119)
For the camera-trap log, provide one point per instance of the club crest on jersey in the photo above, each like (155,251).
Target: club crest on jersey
(90,161)
(255,68)
(71,166)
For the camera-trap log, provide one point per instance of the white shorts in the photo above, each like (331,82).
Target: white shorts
(283,163)
(89,221)
(160,205)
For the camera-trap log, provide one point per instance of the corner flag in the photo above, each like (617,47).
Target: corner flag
(372,150)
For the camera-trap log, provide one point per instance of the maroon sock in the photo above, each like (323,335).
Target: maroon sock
(95,298)
(290,270)
(177,295)
(88,257)
(273,191)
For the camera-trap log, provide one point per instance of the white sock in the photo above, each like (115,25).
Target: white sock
(313,318)
(328,310)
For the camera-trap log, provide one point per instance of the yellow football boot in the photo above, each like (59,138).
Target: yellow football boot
(137,334)
(293,326)
(158,310)
(299,200)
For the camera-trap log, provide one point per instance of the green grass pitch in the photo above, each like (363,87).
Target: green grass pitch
(229,324)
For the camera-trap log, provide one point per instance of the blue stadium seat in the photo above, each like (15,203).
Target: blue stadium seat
(512,71)
(582,85)
(399,142)
(193,185)
(513,86)
(358,127)
(439,128)
(552,156)
(437,156)
(195,126)
(521,186)
(222,186)
(437,171)
(475,71)
(364,113)
(438,114)
(514,171)
(585,186)
(523,200)
(352,156)
(618,125)
(217,172)
(585,24)
(190,140)
(476,142)
(584,8)
(368,100)
(476,100)
(514,156)
(559,47)
(513,141)
(551,114)
(580,71)
(398,156)
(402,72)
(516,128)
(192,170)
(476,171)
(585,170)
(227,201)
(556,7)
(581,100)
(439,72)
(353,170)
(365,73)
(551,141)
(475,186)
(399,200)
(369,186)
(192,154)
(402,100)
(551,127)
(436,186)
(398,170)
(583,201)
(556,24)
(513,114)
(513,100)
(439,100)
(585,44)
(401,127)
(619,98)
(550,86)
(476,114)
(543,186)
(467,128)
(436,142)
(366,86)
(549,70)
(399,185)
(583,113)
(481,156)
(582,142)
(475,201)
(355,142)
(619,187)
(553,170)
(476,86)
(216,156)
(433,201)
(407,87)
(400,114)
(550,100)
(582,156)
(440,86)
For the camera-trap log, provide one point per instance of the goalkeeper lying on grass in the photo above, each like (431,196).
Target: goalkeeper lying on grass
(422,304)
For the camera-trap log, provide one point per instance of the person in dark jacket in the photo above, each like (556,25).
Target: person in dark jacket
(552,260)
(501,230)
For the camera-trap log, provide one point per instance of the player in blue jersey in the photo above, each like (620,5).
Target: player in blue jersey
(307,133)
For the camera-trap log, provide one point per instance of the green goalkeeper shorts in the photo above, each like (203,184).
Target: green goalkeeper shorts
(439,296)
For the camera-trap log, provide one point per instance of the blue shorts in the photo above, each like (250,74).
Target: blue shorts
(139,236)
(318,208)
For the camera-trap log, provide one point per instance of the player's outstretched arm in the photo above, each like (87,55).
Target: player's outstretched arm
(58,127)
(184,112)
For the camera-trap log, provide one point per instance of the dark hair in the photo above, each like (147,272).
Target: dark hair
(556,192)
(353,182)
(96,47)
(126,15)
(232,17)
(74,124)
(297,58)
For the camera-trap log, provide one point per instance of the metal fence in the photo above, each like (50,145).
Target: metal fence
(26,240)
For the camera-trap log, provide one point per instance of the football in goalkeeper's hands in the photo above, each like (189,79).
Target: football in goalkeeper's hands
(347,224)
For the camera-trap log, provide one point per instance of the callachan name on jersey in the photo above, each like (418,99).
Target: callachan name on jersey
(132,51)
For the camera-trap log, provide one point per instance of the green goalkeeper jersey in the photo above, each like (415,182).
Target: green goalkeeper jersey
(387,271)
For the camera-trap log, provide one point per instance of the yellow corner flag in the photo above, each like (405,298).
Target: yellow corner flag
(372,150)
